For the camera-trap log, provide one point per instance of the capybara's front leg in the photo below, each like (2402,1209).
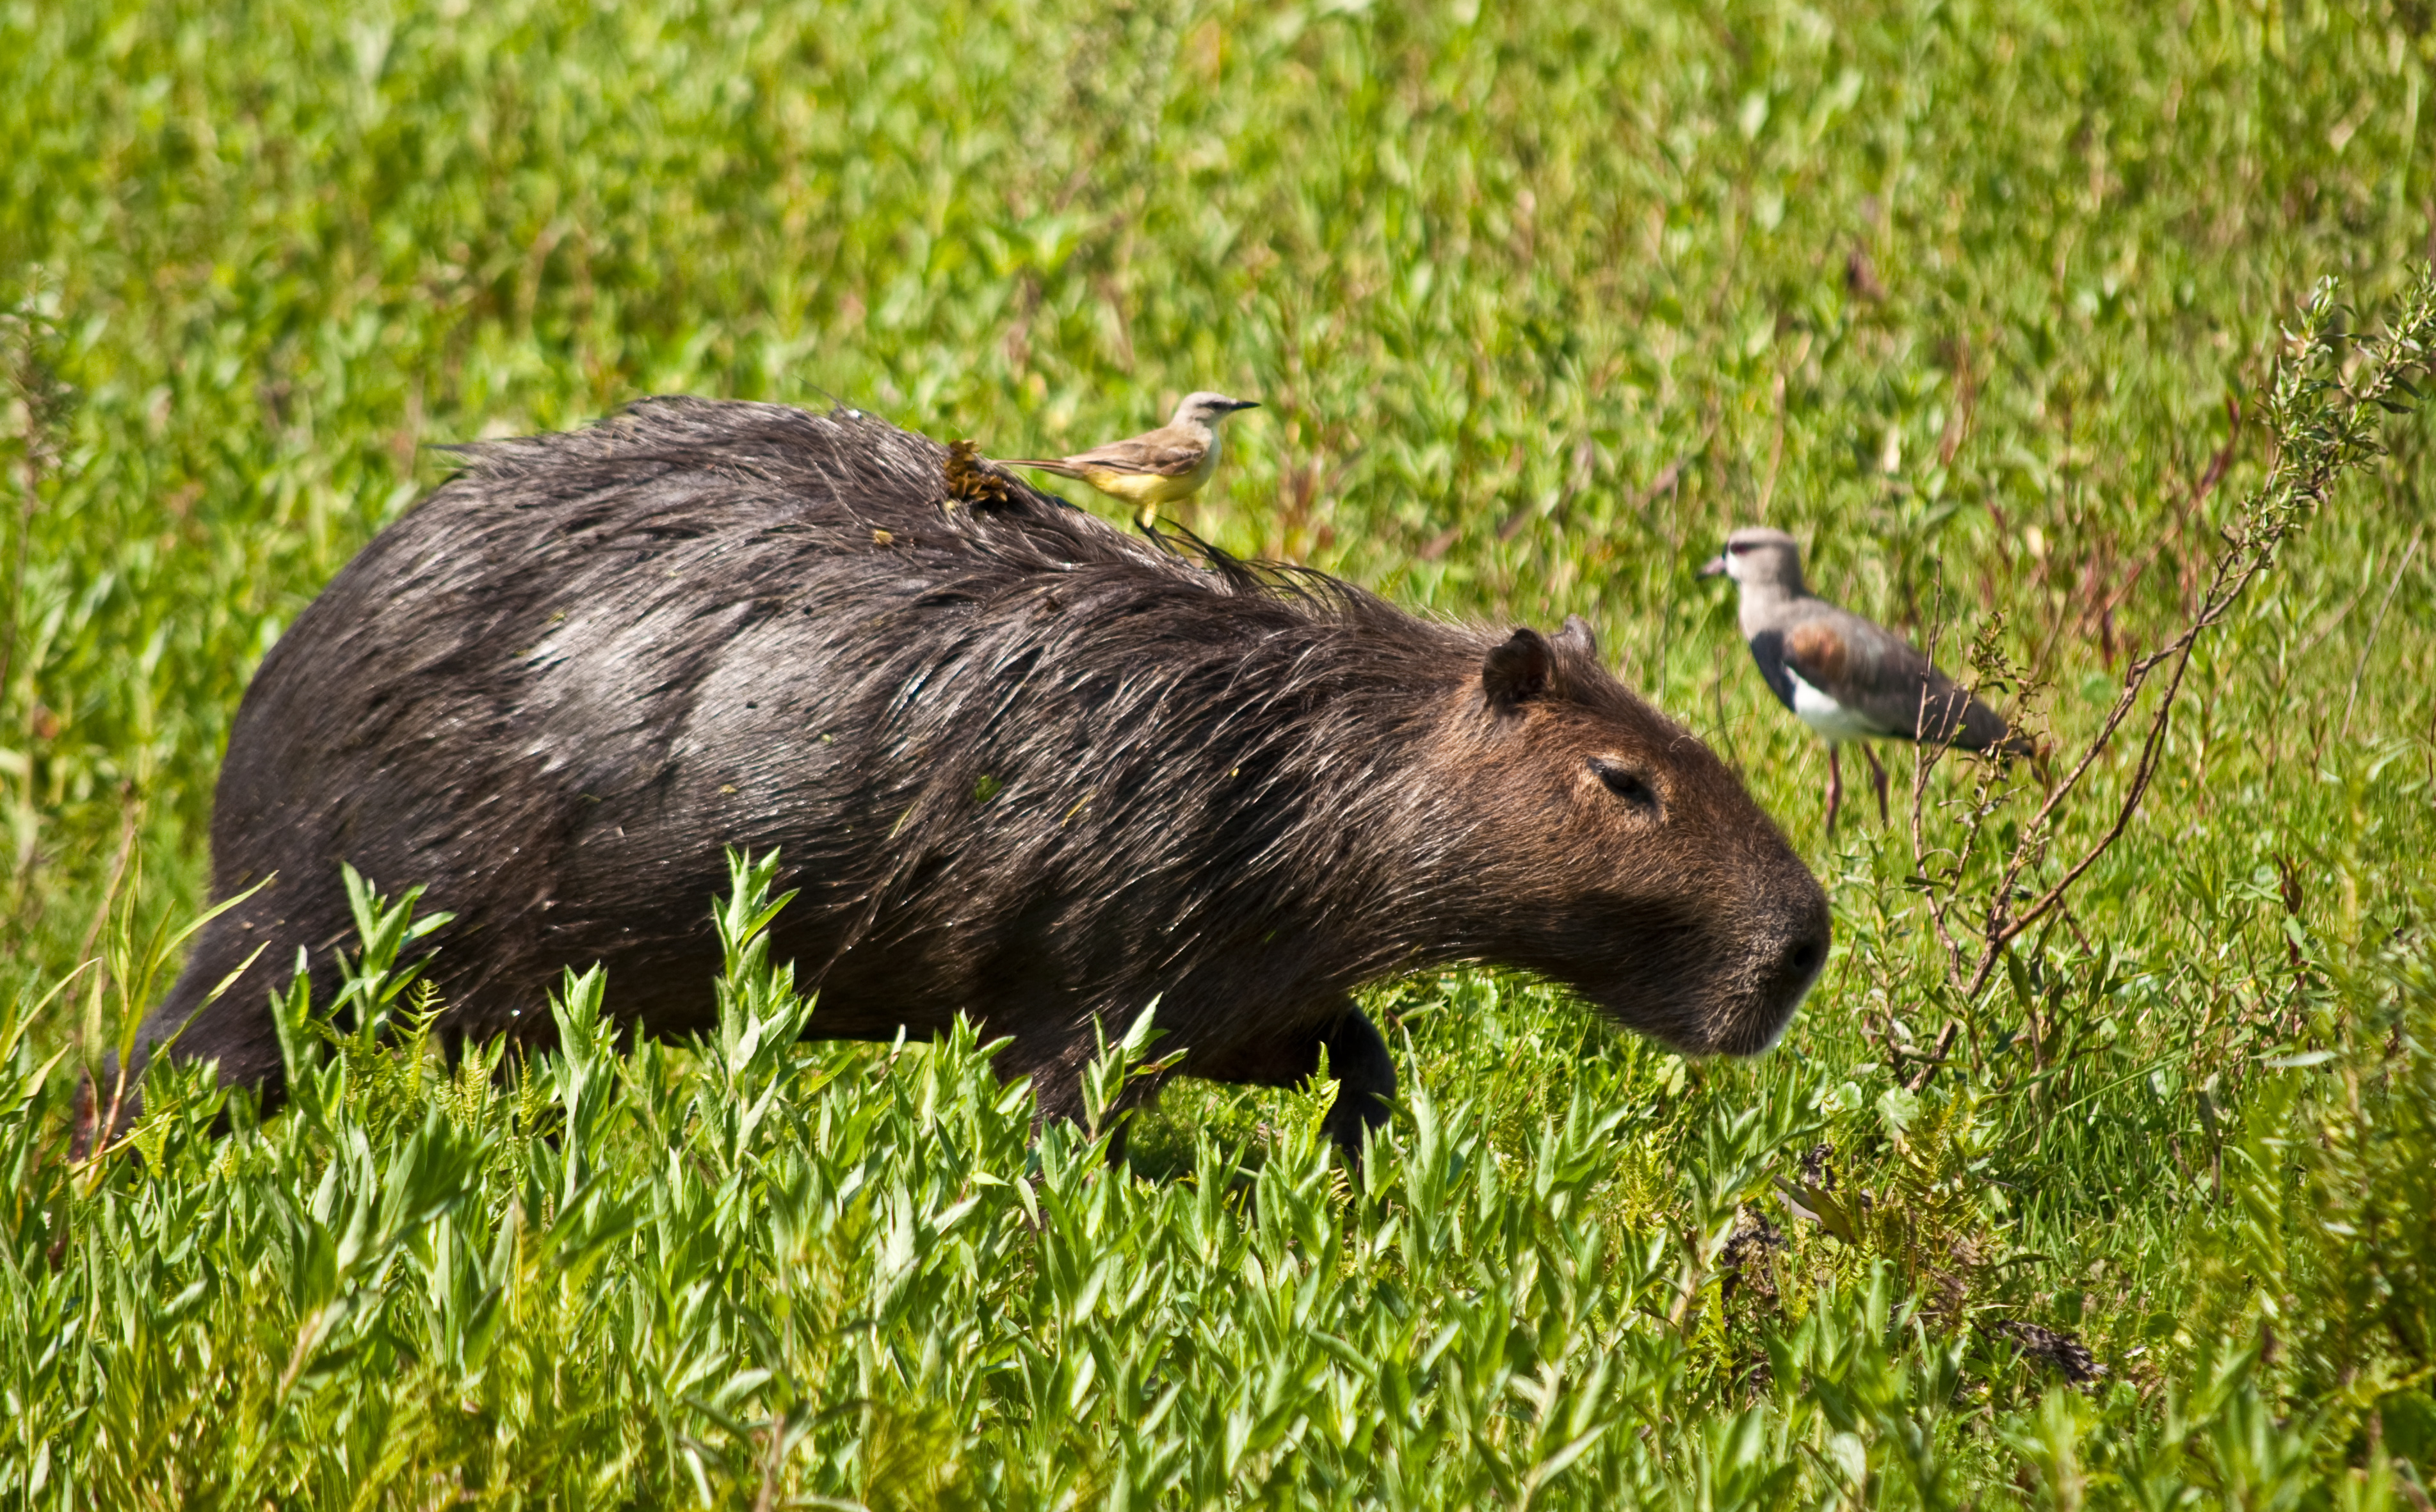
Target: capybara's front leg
(1366,1079)
(1357,1058)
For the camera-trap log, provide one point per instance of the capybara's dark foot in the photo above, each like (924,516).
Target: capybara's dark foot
(1366,1079)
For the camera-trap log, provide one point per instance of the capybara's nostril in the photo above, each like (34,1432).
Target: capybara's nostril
(1800,952)
(1806,956)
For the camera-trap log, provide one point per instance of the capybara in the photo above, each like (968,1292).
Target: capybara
(1021,765)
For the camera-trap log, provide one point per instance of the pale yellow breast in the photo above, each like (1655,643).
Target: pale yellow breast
(1150,488)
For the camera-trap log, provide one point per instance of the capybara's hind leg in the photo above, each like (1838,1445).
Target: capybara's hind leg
(233,1028)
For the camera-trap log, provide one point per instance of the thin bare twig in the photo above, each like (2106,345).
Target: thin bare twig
(2219,463)
(1924,756)
(2360,666)
(1936,1057)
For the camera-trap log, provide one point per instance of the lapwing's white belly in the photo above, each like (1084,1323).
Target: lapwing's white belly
(1826,716)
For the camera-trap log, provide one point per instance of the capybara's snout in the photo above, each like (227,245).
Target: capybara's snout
(1789,937)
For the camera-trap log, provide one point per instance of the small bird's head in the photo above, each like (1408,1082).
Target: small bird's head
(1756,556)
(1207,409)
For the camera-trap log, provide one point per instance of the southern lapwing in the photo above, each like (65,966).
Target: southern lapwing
(1845,677)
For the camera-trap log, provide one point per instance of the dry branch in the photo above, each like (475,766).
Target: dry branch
(2319,425)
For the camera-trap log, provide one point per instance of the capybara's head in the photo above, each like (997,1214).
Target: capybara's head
(1612,851)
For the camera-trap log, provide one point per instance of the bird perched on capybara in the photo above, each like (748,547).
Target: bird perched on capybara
(1020,765)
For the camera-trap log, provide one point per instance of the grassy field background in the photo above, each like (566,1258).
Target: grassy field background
(1978,298)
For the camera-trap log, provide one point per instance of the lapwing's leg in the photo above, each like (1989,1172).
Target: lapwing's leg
(1834,787)
(1877,778)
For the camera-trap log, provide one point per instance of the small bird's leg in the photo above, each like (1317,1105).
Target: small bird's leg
(1834,787)
(1877,778)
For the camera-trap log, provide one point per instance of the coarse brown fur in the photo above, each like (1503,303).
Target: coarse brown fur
(1022,766)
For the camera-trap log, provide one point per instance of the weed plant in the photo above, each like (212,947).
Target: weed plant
(1988,300)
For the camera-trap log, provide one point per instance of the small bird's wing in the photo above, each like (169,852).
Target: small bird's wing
(1168,452)
(1885,680)
(1063,469)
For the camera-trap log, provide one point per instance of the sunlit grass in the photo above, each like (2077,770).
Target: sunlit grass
(1540,301)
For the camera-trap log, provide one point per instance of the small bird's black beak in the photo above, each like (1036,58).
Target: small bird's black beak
(1247,404)
(1714,567)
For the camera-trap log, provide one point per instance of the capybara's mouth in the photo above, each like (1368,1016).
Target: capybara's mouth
(1760,1021)
(1749,997)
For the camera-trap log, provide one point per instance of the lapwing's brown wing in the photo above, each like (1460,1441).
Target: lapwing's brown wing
(1166,452)
(1883,678)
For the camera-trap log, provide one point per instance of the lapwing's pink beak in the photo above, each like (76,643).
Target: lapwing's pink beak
(1714,566)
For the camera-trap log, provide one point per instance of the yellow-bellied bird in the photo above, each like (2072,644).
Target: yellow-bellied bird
(1156,467)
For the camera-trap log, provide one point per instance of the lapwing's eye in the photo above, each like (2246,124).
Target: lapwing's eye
(1737,547)
(1626,783)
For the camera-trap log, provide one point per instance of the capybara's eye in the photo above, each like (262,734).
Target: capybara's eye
(1626,783)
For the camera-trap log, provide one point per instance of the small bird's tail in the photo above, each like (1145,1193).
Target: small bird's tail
(1061,469)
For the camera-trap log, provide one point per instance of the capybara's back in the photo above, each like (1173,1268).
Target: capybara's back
(1019,764)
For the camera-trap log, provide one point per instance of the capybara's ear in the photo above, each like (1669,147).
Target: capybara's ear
(1515,670)
(1577,636)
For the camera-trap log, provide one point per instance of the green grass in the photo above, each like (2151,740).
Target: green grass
(1541,300)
